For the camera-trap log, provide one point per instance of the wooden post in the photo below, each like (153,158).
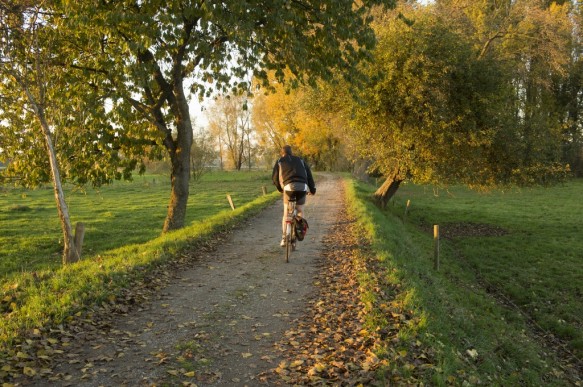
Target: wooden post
(231,202)
(406,209)
(436,246)
(264,190)
(79,236)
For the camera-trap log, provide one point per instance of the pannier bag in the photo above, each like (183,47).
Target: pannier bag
(301,228)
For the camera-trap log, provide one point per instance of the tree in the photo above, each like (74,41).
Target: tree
(47,131)
(24,69)
(230,122)
(308,118)
(540,43)
(436,110)
(273,118)
(202,154)
(149,55)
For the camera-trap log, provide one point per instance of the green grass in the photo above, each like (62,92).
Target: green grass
(121,214)
(43,299)
(536,268)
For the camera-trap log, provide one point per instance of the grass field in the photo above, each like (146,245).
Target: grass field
(121,214)
(506,306)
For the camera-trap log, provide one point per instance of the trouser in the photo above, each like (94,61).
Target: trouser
(300,197)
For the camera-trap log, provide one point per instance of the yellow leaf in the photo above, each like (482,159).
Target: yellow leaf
(6,368)
(173,372)
(246,355)
(189,374)
(296,363)
(22,355)
(29,371)
(473,353)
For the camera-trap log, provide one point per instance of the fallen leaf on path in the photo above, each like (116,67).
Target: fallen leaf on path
(28,371)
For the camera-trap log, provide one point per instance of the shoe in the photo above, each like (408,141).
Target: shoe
(282,243)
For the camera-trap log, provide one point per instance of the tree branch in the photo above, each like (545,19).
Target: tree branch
(498,34)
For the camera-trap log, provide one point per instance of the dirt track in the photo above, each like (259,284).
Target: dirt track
(216,322)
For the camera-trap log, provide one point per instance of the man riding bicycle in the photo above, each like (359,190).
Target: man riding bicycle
(293,177)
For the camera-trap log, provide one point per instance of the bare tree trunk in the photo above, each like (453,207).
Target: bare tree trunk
(180,159)
(386,191)
(221,153)
(249,149)
(241,151)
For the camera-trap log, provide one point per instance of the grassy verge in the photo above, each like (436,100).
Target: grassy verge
(32,302)
(453,328)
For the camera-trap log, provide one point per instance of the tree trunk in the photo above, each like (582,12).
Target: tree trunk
(386,191)
(222,167)
(70,252)
(249,149)
(180,159)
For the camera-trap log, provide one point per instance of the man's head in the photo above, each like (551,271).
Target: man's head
(286,150)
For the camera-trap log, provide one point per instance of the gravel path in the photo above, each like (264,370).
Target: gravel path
(216,322)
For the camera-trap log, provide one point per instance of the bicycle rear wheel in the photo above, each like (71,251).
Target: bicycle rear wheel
(293,237)
(288,246)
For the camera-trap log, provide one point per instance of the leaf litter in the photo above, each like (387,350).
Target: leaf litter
(335,342)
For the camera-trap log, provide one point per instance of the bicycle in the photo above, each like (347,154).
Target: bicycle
(290,232)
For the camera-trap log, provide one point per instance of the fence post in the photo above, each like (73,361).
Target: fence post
(78,238)
(406,210)
(436,246)
(231,202)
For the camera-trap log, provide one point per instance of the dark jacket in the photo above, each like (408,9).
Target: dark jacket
(293,170)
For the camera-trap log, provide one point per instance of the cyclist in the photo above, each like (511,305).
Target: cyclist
(292,176)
